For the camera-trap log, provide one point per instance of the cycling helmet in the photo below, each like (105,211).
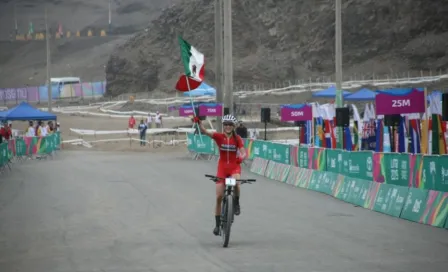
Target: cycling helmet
(229,119)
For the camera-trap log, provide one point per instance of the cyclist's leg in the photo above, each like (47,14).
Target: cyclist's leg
(219,195)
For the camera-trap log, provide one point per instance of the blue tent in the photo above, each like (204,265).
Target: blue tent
(399,91)
(329,93)
(25,111)
(361,95)
(203,90)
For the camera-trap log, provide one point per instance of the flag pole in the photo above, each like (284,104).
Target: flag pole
(192,106)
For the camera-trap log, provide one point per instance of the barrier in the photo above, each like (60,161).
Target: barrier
(40,93)
(405,186)
(20,147)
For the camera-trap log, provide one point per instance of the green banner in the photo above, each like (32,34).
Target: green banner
(358,190)
(334,160)
(303,157)
(390,199)
(3,154)
(280,153)
(20,147)
(200,144)
(414,205)
(396,169)
(358,164)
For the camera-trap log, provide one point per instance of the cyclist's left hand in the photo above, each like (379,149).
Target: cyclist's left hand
(239,160)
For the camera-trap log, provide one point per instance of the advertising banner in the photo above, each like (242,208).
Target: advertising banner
(298,112)
(400,102)
(185,111)
(210,109)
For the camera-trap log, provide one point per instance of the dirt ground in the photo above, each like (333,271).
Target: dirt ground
(125,142)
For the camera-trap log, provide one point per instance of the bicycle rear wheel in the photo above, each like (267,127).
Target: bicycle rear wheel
(228,218)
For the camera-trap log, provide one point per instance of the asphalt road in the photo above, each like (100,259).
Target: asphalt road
(125,212)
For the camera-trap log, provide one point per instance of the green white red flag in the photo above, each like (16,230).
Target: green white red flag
(194,65)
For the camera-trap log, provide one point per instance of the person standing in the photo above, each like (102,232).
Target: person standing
(241,130)
(142,129)
(149,120)
(158,120)
(31,132)
(131,122)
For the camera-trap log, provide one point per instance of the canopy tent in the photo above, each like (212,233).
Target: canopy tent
(361,95)
(203,90)
(399,91)
(25,111)
(329,93)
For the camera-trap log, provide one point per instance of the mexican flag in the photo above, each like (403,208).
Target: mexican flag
(194,66)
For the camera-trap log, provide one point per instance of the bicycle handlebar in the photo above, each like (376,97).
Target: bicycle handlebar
(215,179)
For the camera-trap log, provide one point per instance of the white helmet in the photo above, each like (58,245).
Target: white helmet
(229,119)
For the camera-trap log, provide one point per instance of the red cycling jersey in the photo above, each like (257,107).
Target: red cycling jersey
(228,150)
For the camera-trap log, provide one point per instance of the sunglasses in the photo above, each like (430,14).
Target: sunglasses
(228,124)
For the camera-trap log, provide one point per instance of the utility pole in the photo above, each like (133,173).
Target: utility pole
(338,62)
(219,55)
(47,35)
(110,15)
(15,19)
(228,65)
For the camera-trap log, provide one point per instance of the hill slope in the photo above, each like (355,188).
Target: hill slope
(277,40)
(24,63)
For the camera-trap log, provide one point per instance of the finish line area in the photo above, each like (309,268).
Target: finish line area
(127,211)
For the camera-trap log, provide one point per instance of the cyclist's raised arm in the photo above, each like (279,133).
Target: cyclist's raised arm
(202,128)
(205,131)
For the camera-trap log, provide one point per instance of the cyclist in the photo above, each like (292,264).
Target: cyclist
(231,155)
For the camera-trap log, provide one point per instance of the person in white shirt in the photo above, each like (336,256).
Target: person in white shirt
(158,120)
(149,121)
(30,132)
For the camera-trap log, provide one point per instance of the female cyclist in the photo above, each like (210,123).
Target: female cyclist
(231,155)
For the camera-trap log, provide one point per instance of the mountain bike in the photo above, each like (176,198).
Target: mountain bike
(227,211)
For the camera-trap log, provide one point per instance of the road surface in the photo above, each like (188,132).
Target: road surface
(126,212)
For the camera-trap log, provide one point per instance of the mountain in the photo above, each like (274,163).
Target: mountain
(24,62)
(280,40)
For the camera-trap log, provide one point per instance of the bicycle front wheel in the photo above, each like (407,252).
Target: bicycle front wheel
(228,218)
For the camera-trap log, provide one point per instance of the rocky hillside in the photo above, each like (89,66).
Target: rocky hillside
(24,63)
(277,40)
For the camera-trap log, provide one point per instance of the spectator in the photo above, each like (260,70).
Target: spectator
(131,122)
(158,120)
(5,131)
(30,132)
(49,127)
(58,127)
(149,121)
(142,129)
(241,130)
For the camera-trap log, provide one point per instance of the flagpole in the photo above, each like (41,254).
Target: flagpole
(426,146)
(192,106)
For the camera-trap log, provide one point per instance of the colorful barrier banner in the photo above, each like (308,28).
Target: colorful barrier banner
(412,170)
(210,109)
(412,101)
(299,112)
(358,190)
(304,178)
(259,166)
(436,210)
(392,168)
(415,204)
(19,147)
(390,199)
(277,171)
